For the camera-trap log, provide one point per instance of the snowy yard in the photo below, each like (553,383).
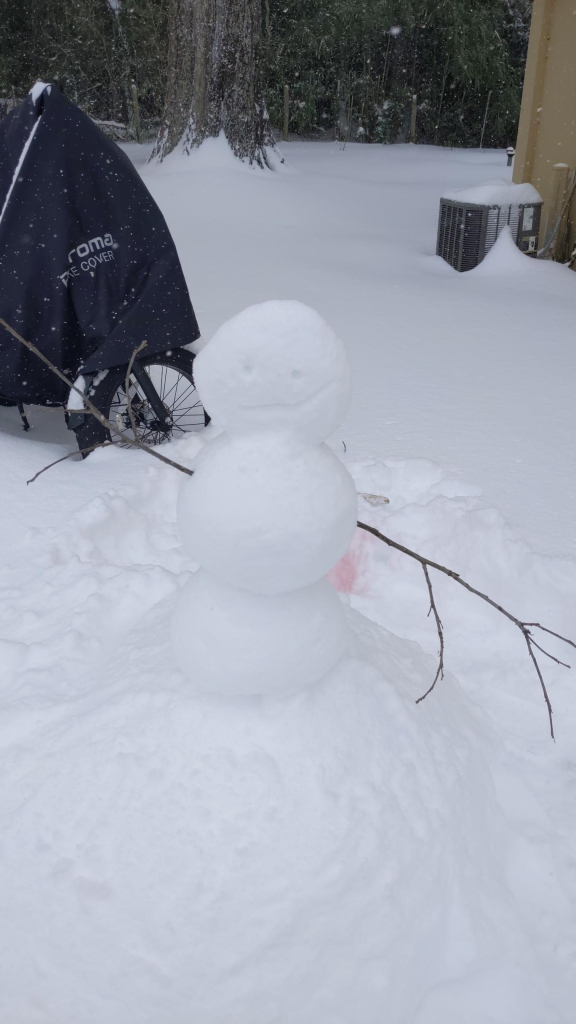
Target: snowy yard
(413,864)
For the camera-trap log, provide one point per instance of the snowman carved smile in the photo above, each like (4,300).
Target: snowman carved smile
(300,405)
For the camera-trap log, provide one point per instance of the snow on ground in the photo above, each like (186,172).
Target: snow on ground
(341,856)
(475,374)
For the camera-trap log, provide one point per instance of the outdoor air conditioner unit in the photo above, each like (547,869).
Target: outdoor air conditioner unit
(468,226)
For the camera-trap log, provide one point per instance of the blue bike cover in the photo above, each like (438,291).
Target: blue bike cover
(88,269)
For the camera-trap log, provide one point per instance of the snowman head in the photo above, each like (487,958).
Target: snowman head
(276,367)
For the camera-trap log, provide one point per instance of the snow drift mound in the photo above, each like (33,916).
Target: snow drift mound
(337,856)
(319,858)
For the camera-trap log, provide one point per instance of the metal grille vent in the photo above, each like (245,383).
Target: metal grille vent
(467,231)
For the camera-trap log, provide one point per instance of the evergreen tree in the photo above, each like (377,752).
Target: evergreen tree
(352,66)
(95,48)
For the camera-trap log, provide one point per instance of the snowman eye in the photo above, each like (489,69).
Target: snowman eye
(296,374)
(247,369)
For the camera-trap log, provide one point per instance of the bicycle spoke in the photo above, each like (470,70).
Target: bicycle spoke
(176,392)
(175,407)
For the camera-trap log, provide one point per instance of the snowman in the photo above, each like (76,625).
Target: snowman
(269,510)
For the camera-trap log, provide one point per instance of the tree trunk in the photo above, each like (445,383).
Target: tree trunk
(214,83)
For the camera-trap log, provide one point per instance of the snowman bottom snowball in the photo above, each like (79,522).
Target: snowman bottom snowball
(231,641)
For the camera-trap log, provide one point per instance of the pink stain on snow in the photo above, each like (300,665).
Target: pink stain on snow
(351,574)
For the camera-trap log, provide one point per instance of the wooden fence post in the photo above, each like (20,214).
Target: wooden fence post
(286,112)
(136,111)
(413,118)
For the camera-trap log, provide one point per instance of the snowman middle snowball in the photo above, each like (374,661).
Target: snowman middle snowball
(270,509)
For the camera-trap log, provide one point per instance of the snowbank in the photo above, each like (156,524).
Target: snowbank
(506,258)
(179,859)
(340,854)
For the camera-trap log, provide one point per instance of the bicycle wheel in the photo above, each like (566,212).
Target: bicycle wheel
(171,376)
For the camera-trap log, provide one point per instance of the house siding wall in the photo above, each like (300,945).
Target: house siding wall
(546,146)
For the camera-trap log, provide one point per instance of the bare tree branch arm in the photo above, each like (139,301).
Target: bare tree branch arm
(524,627)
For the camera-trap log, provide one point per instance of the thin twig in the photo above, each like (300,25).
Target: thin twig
(78,451)
(547,653)
(524,627)
(542,684)
(90,408)
(142,345)
(434,610)
(536,625)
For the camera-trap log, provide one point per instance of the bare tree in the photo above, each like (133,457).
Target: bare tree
(214,79)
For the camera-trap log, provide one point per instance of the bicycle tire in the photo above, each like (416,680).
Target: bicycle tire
(187,413)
